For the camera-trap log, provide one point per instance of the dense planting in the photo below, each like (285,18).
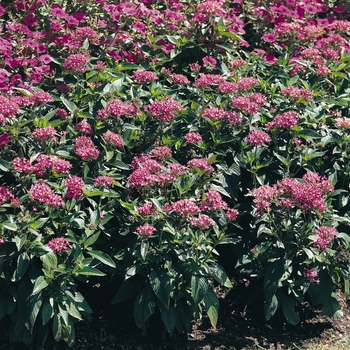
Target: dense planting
(138,137)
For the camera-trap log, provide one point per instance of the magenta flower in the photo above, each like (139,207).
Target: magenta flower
(269,37)
(311,275)
(193,137)
(75,187)
(4,139)
(146,230)
(58,244)
(325,236)
(258,138)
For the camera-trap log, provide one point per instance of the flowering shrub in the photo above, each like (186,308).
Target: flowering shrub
(136,138)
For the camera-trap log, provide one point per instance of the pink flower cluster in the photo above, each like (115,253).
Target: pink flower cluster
(104,181)
(85,148)
(179,79)
(44,134)
(4,139)
(297,93)
(161,152)
(147,209)
(206,80)
(42,193)
(41,164)
(75,187)
(343,122)
(203,222)
(250,104)
(8,109)
(144,76)
(113,139)
(5,195)
(185,208)
(286,120)
(212,201)
(213,113)
(58,244)
(258,137)
(307,195)
(325,235)
(311,275)
(193,137)
(165,109)
(118,108)
(77,62)
(146,230)
(84,127)
(201,164)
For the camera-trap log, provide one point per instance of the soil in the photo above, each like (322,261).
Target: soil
(240,327)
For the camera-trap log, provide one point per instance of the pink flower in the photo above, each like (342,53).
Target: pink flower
(4,139)
(44,134)
(203,222)
(325,236)
(161,152)
(43,193)
(113,139)
(212,201)
(104,181)
(311,275)
(77,62)
(258,138)
(193,137)
(84,127)
(269,37)
(201,164)
(147,209)
(165,110)
(146,230)
(58,244)
(144,76)
(209,62)
(213,113)
(5,195)
(286,120)
(185,208)
(75,187)
(231,214)
(179,79)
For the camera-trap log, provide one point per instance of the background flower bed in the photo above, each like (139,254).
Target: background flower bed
(160,145)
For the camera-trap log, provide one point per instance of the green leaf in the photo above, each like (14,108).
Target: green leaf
(161,285)
(73,311)
(331,307)
(103,257)
(23,261)
(308,134)
(11,226)
(49,261)
(144,306)
(35,302)
(5,165)
(220,275)
(40,284)
(211,303)
(89,271)
(71,106)
(127,290)
(288,308)
(47,310)
(57,327)
(199,287)
(144,248)
(273,274)
(270,307)
(169,318)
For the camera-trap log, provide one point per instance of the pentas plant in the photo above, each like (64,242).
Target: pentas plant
(137,137)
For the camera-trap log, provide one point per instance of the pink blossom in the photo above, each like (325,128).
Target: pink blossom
(44,134)
(75,187)
(5,195)
(311,275)
(343,122)
(269,37)
(41,97)
(147,209)
(258,138)
(212,201)
(185,208)
(58,244)
(113,139)
(161,152)
(4,139)
(77,62)
(179,79)
(232,117)
(206,80)
(213,113)
(165,110)
(203,222)
(286,120)
(43,194)
(193,137)
(146,230)
(104,181)
(325,236)
(144,76)
(209,62)
(201,164)
(177,169)
(84,127)
(231,214)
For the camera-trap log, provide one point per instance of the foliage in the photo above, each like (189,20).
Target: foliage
(138,137)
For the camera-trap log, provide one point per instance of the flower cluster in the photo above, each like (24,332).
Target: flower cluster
(59,244)
(287,120)
(297,93)
(5,195)
(44,134)
(75,187)
(258,137)
(113,139)
(165,109)
(85,148)
(311,275)
(203,222)
(193,137)
(104,181)
(144,76)
(325,235)
(42,193)
(201,164)
(146,230)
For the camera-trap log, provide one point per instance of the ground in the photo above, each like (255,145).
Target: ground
(239,327)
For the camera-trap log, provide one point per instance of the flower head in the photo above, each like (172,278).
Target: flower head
(58,244)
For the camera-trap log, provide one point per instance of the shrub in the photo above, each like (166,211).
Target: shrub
(136,138)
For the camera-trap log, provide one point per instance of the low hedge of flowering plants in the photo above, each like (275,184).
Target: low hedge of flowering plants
(136,137)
